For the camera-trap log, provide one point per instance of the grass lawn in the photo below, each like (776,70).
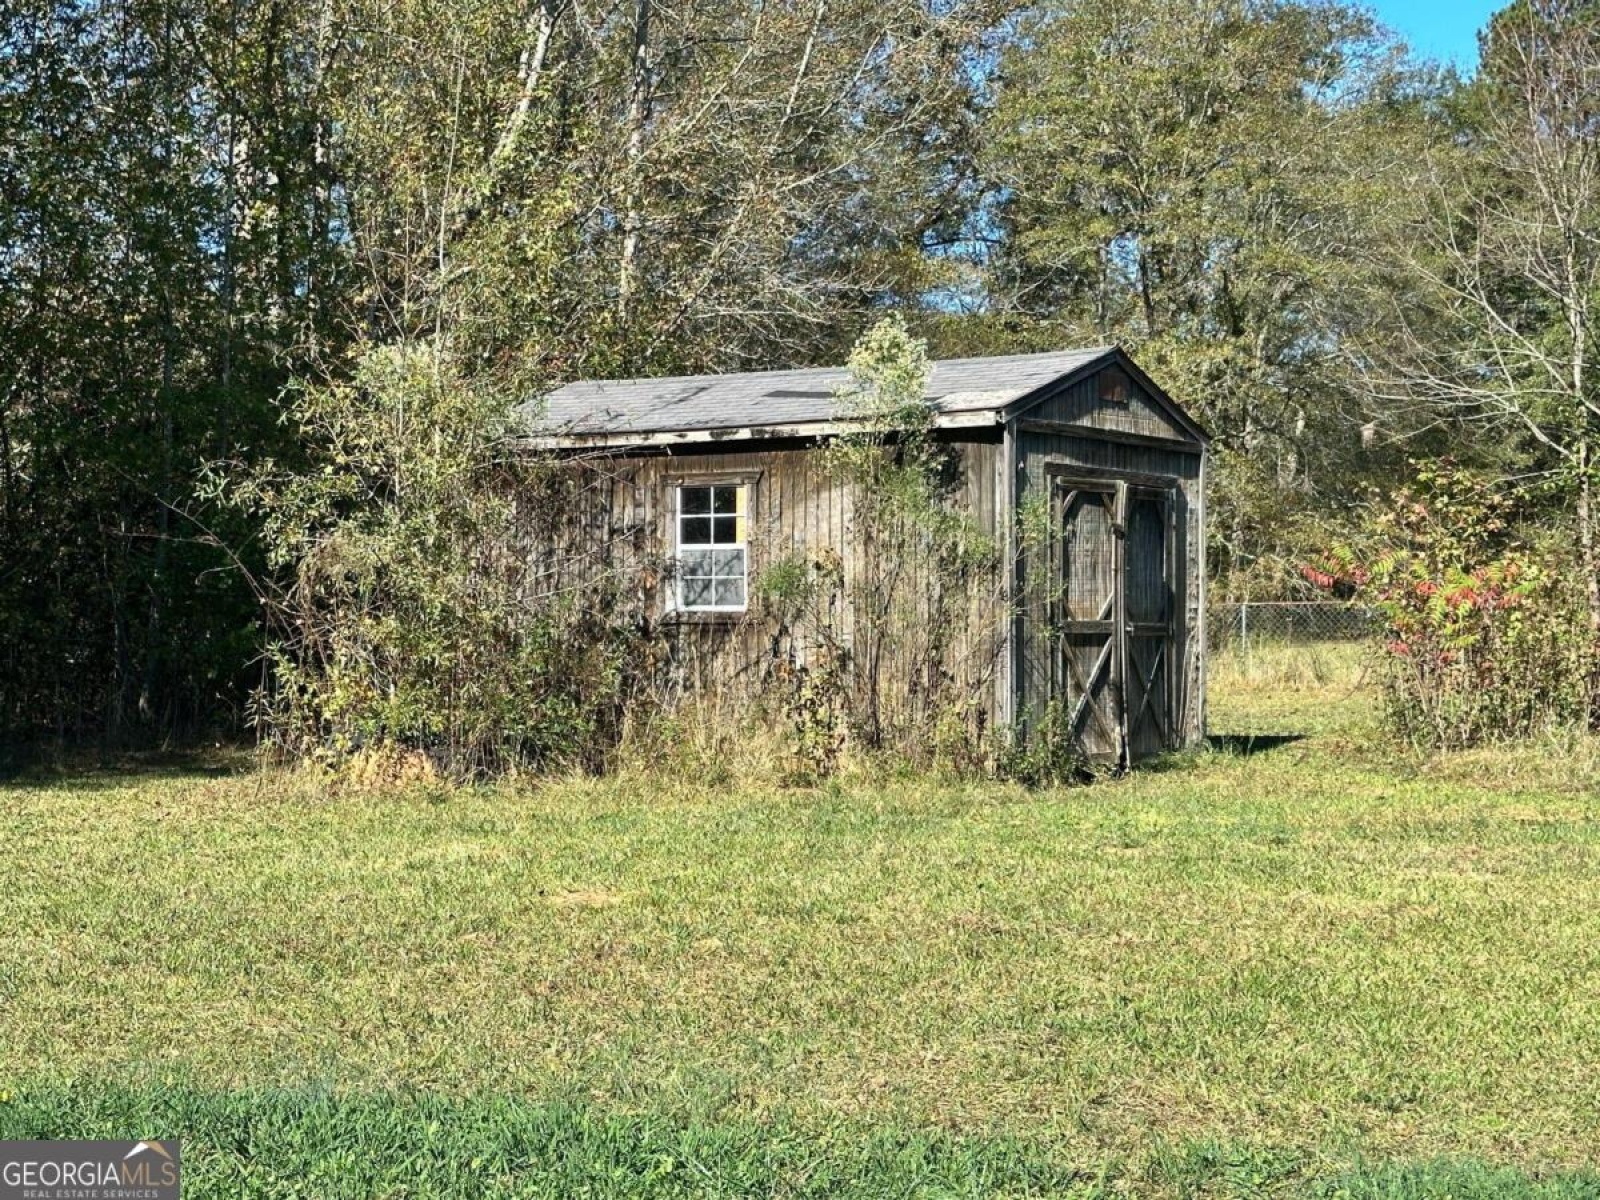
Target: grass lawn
(1301,963)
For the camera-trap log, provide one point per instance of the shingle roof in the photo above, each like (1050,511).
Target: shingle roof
(767,399)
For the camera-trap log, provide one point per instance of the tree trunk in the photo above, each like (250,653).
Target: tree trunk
(8,477)
(322,231)
(150,675)
(1591,574)
(1146,295)
(541,26)
(638,117)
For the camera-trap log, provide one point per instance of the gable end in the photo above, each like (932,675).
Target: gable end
(1110,395)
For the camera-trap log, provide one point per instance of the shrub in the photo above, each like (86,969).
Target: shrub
(1483,636)
(1050,756)
(407,616)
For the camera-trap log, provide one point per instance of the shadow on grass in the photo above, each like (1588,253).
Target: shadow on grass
(52,767)
(1238,745)
(1246,744)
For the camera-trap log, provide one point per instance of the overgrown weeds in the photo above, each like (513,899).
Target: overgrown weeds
(409,619)
(894,652)
(1264,664)
(447,601)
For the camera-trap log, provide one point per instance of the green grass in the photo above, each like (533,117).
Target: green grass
(329,1145)
(1244,972)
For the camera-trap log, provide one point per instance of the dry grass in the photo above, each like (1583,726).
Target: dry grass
(1264,666)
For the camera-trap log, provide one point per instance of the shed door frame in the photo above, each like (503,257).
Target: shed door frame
(1066,484)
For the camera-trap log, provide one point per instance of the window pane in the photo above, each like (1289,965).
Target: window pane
(711,516)
(697,562)
(696,593)
(1114,386)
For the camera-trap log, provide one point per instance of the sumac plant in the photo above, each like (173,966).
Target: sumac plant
(1482,635)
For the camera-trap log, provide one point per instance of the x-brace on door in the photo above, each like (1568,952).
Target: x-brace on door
(1112,615)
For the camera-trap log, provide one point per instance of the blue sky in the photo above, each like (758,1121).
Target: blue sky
(1443,29)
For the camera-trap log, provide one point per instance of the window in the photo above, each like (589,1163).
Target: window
(712,556)
(1115,386)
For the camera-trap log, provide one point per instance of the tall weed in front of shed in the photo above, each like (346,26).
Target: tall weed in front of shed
(1483,634)
(902,641)
(413,634)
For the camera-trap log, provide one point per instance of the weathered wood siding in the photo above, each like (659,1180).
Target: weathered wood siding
(1082,404)
(620,524)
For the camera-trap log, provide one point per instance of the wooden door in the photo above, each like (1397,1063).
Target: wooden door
(1148,611)
(1086,658)
(1112,617)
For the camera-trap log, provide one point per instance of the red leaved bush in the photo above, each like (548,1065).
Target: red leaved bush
(1481,638)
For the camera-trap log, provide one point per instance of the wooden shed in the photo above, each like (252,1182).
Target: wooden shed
(718,477)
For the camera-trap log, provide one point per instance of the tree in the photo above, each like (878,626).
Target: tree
(636,188)
(1490,301)
(157,263)
(409,621)
(206,198)
(1191,178)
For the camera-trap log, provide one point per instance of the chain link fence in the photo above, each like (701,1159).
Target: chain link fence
(1244,625)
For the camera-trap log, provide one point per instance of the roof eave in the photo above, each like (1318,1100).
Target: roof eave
(796,430)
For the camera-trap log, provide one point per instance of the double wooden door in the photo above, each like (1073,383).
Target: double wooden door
(1112,614)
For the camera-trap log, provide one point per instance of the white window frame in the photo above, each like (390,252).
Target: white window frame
(742,515)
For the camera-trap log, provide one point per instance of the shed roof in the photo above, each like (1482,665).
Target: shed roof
(960,390)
